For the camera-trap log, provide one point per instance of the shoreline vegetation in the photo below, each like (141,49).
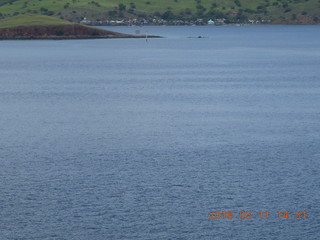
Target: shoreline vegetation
(170,12)
(40,27)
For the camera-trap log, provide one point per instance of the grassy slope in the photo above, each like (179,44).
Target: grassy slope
(31,20)
(100,9)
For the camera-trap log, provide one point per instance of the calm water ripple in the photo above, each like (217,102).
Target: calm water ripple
(128,139)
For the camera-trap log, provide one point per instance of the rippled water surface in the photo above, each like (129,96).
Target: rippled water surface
(136,139)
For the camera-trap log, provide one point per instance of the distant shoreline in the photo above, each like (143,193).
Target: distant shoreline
(206,25)
(61,32)
(199,22)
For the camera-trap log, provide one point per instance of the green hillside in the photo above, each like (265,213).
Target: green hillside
(277,11)
(31,20)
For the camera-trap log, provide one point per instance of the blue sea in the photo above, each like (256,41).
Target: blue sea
(142,138)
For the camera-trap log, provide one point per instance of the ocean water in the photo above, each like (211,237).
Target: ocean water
(140,139)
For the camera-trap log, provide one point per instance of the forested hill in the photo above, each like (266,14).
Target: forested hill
(233,11)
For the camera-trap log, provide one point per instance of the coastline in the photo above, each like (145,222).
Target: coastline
(61,32)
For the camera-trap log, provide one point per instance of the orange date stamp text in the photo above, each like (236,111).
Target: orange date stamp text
(257,214)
